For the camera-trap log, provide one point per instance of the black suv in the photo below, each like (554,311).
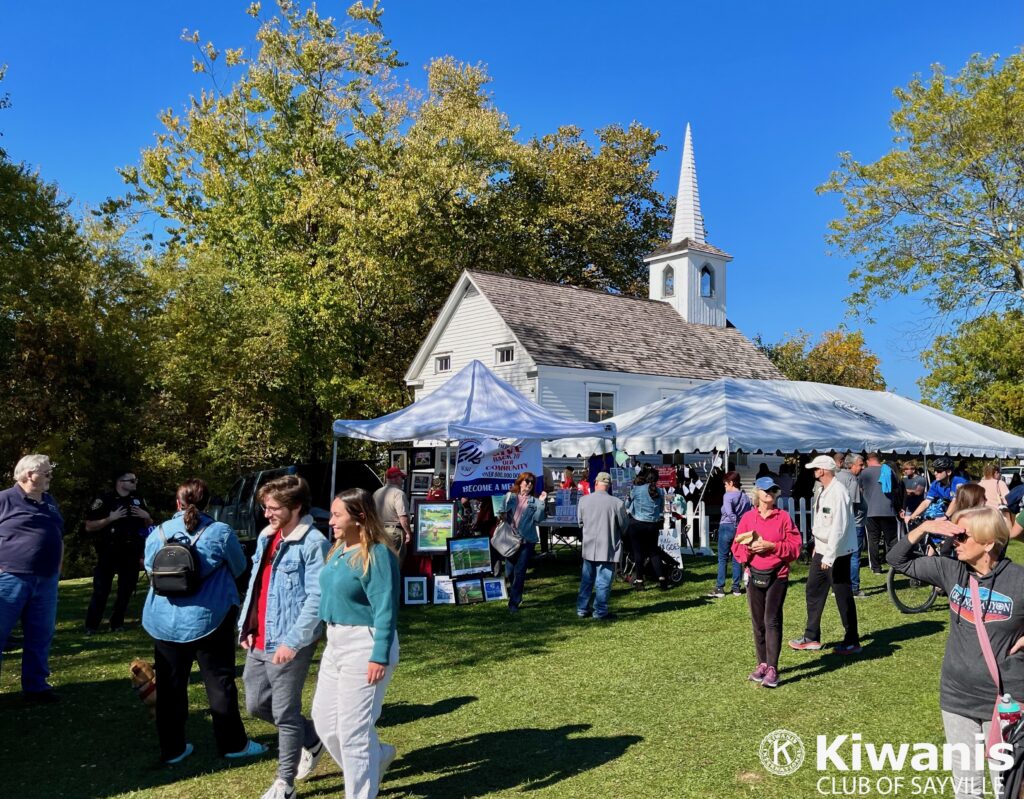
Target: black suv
(241,511)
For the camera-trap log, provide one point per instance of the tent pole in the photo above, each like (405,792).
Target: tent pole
(334,467)
(447,464)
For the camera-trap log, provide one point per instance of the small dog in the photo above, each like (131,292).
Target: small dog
(144,683)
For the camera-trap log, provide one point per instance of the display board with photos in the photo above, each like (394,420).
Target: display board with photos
(622,481)
(469,556)
(435,524)
(420,482)
(566,504)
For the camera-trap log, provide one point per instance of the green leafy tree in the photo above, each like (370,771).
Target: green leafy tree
(839,358)
(942,213)
(318,214)
(977,371)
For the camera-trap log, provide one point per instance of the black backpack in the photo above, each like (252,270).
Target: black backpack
(176,566)
(898,495)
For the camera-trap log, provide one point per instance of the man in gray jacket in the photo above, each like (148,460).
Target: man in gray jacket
(603,518)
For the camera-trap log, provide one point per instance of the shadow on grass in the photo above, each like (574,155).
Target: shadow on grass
(406,712)
(530,758)
(877,645)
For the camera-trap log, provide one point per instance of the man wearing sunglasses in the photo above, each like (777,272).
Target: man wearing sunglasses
(118,520)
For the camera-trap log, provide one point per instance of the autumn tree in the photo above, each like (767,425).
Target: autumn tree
(942,213)
(839,358)
(976,371)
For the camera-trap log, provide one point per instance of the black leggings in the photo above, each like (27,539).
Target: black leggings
(644,537)
(766,617)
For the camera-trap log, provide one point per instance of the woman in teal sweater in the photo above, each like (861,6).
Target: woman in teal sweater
(359,601)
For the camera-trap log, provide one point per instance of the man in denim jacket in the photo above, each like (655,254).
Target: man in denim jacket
(280,626)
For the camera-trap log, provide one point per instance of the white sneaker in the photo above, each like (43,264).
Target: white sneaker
(308,760)
(388,753)
(280,790)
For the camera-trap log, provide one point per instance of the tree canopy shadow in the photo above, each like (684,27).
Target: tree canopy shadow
(532,758)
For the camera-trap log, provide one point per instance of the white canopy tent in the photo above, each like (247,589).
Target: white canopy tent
(786,416)
(474,403)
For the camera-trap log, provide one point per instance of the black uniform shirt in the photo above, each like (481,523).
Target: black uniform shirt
(127,529)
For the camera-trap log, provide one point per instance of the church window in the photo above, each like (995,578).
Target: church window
(707,282)
(668,282)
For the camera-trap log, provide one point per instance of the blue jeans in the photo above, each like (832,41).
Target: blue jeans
(516,568)
(855,560)
(33,600)
(601,573)
(726,534)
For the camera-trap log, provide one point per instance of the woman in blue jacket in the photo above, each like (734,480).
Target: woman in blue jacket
(646,506)
(198,627)
(524,512)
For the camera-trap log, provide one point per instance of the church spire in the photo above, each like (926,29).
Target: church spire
(689,223)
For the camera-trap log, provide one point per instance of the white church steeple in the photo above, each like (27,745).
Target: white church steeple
(689,222)
(688,273)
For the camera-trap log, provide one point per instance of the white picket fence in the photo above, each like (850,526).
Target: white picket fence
(696,521)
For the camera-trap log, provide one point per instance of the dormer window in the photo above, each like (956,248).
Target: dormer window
(668,282)
(707,282)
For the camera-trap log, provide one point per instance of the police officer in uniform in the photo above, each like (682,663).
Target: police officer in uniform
(118,519)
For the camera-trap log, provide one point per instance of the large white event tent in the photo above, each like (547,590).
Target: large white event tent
(784,416)
(474,403)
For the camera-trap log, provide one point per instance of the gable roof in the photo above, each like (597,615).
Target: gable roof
(653,338)
(687,244)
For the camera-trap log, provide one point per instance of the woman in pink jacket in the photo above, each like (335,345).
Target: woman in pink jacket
(766,542)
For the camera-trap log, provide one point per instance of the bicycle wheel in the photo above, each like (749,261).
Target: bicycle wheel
(909,595)
(676,575)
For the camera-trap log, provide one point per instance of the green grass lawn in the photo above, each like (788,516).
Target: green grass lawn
(654,704)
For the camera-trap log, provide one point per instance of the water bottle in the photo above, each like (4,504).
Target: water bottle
(1009,713)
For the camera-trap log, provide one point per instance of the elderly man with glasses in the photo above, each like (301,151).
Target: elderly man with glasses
(118,519)
(31,550)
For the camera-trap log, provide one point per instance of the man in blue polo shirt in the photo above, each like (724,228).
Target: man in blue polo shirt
(31,550)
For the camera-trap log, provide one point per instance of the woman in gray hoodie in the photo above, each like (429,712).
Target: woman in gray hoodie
(967,693)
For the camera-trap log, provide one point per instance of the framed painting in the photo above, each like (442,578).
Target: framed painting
(414,590)
(400,458)
(469,556)
(444,591)
(421,482)
(494,589)
(423,459)
(469,592)
(436,523)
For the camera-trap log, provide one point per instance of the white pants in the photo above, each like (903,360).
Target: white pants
(346,707)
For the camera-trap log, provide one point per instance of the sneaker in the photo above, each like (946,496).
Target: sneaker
(606,617)
(252,749)
(582,615)
(175,760)
(91,631)
(638,585)
(308,760)
(859,595)
(847,649)
(718,593)
(758,674)
(280,790)
(805,643)
(771,678)
(388,753)
(119,629)
(737,592)
(663,584)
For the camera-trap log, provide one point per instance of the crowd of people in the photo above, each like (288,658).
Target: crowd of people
(304,587)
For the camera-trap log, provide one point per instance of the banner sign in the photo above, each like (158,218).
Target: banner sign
(485,468)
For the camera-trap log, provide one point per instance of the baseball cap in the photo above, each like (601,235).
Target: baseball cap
(603,477)
(822,462)
(766,483)
(394,471)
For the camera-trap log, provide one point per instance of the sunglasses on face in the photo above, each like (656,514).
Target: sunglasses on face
(959,538)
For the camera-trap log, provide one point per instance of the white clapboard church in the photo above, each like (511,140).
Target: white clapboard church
(590,355)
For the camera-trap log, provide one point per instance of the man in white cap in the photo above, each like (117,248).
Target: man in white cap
(835,540)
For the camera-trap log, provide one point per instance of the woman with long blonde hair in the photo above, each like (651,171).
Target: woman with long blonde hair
(359,601)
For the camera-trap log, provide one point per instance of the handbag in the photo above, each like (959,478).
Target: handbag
(763,578)
(506,540)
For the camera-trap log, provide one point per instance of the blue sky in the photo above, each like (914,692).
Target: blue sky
(773,91)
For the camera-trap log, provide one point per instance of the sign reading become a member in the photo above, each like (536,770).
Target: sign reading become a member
(485,468)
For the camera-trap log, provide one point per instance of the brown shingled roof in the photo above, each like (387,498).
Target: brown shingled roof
(630,335)
(687,244)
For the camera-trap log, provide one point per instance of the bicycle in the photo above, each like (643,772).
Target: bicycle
(910,595)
